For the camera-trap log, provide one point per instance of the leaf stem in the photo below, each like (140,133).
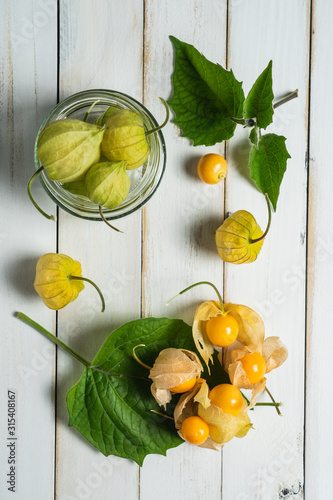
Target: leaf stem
(52,337)
(106,222)
(165,121)
(93,284)
(50,217)
(276,407)
(288,97)
(201,283)
(135,356)
(269,221)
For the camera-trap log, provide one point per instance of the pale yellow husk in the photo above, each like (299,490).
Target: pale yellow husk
(53,283)
(171,368)
(222,426)
(274,353)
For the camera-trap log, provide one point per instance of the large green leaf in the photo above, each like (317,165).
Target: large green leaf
(114,413)
(259,102)
(268,165)
(205,97)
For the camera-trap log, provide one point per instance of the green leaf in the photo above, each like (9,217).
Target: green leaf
(254,136)
(259,102)
(205,97)
(114,412)
(268,165)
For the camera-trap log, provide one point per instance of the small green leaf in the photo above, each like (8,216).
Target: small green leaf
(259,102)
(206,97)
(114,412)
(254,136)
(268,165)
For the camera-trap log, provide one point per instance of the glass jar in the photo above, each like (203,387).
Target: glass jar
(144,180)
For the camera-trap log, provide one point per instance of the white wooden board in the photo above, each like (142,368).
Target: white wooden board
(50,50)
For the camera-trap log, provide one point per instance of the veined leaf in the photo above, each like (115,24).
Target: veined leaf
(259,102)
(268,164)
(206,97)
(114,412)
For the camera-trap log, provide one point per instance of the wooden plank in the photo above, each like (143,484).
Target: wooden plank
(28,34)
(179,225)
(271,456)
(99,48)
(318,440)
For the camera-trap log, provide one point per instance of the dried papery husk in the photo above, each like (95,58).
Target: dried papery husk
(251,326)
(234,238)
(67,149)
(53,283)
(171,368)
(187,405)
(274,353)
(203,313)
(125,139)
(107,183)
(224,426)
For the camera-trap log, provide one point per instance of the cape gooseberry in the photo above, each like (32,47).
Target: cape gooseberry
(107,184)
(239,239)
(59,280)
(67,149)
(77,187)
(125,136)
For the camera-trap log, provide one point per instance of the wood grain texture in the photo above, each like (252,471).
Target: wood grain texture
(28,37)
(99,48)
(318,442)
(274,285)
(179,224)
(169,245)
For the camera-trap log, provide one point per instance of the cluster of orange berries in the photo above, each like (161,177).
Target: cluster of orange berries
(222,330)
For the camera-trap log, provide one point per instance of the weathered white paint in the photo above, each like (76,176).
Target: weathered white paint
(101,46)
(28,37)
(318,440)
(272,454)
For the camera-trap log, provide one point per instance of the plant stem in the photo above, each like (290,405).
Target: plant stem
(139,360)
(93,284)
(106,222)
(270,395)
(269,221)
(50,217)
(269,404)
(52,337)
(201,283)
(165,121)
(240,121)
(89,110)
(288,97)
(162,414)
